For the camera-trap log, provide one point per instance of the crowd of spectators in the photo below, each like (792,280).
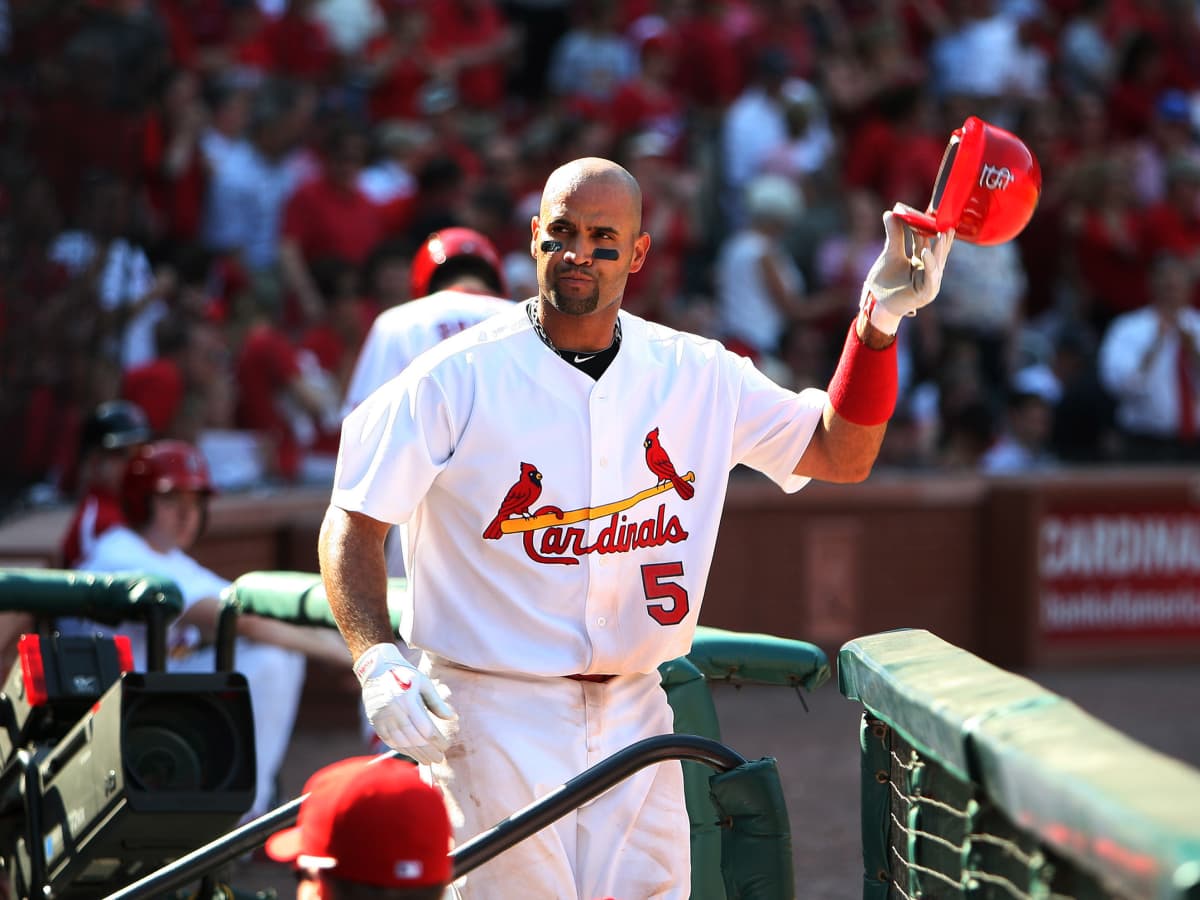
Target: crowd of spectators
(204,203)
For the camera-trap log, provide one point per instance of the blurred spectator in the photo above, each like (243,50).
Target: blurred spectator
(1169,135)
(710,73)
(754,127)
(844,257)
(1023,441)
(185,388)
(1104,227)
(1150,362)
(100,251)
(472,42)
(281,395)
(398,62)
(330,216)
(252,180)
(759,287)
(175,172)
(337,336)
(896,150)
(592,60)
(299,44)
(538,27)
(808,144)
(647,102)
(111,434)
(980,302)
(1173,224)
(386,274)
(1084,430)
(978,54)
(670,212)
(349,24)
(1138,84)
(1086,56)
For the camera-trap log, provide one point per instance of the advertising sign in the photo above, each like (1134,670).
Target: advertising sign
(1119,574)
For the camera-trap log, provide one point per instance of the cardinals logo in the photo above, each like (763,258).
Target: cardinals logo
(660,464)
(516,502)
(551,534)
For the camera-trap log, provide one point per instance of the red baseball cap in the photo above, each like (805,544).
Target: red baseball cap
(370,820)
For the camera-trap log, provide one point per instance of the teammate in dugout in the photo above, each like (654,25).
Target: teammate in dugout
(559,473)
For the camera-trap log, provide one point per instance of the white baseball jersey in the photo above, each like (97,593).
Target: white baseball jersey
(538,537)
(401,334)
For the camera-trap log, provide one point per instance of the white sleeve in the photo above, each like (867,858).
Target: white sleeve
(392,447)
(1120,357)
(774,425)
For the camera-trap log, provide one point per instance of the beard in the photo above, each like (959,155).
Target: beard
(574,300)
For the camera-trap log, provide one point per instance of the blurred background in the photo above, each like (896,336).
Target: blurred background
(198,194)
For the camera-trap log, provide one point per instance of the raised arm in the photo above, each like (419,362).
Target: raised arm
(862,393)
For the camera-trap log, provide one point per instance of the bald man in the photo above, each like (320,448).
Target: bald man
(558,473)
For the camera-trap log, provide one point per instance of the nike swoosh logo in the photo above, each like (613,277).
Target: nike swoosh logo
(405,683)
(580,359)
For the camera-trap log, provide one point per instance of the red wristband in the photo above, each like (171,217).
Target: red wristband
(864,387)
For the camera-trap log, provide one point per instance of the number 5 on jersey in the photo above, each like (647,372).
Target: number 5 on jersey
(674,607)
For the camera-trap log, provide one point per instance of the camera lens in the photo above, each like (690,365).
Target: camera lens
(181,742)
(158,759)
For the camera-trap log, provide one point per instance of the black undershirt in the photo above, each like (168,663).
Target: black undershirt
(591,364)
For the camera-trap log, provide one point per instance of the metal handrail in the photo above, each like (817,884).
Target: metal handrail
(472,853)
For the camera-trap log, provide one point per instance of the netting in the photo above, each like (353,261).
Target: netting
(941,837)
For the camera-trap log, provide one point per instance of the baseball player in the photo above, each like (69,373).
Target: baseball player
(558,472)
(110,434)
(457,280)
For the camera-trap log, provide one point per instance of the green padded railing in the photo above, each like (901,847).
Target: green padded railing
(981,783)
(108,598)
(740,842)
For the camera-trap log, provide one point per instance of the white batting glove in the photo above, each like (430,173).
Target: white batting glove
(901,284)
(398,698)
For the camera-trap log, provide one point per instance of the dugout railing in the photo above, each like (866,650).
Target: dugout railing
(740,835)
(979,783)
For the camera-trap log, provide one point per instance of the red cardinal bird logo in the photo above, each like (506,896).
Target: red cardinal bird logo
(660,464)
(517,501)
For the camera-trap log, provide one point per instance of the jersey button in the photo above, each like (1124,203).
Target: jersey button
(602,621)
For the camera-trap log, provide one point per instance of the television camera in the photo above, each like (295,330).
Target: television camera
(107,774)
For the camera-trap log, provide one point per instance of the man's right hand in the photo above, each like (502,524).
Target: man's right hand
(399,700)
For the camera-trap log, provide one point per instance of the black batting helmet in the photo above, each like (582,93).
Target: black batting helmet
(113,425)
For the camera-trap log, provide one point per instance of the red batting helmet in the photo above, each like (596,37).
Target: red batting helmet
(448,253)
(159,468)
(987,187)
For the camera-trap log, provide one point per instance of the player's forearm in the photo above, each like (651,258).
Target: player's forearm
(354,572)
(862,396)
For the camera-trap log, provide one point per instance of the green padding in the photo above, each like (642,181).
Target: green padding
(111,598)
(1126,812)
(748,658)
(692,706)
(756,840)
(1116,808)
(930,690)
(875,802)
(296,597)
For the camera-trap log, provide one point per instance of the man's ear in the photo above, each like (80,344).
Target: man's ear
(641,247)
(533,237)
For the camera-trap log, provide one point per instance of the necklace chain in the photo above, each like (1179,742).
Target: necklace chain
(531,311)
